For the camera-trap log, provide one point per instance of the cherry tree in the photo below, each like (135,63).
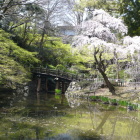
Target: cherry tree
(101,35)
(132,46)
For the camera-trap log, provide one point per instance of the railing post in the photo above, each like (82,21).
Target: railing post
(58,72)
(57,83)
(39,83)
(46,84)
(63,87)
(40,69)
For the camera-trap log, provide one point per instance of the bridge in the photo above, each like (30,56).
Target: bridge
(51,79)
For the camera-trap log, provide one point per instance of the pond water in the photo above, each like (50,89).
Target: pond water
(42,116)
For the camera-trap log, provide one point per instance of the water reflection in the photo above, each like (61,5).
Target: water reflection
(55,117)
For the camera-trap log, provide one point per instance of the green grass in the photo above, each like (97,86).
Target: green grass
(114,101)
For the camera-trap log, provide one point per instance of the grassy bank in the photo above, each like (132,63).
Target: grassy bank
(125,96)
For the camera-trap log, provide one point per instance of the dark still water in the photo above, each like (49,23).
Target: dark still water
(41,116)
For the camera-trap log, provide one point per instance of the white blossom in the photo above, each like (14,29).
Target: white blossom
(102,26)
(93,28)
(131,40)
(102,30)
(113,23)
(105,34)
(80,40)
(132,44)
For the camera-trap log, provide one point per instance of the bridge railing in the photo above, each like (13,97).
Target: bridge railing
(58,73)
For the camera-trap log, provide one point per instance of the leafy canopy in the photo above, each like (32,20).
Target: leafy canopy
(13,61)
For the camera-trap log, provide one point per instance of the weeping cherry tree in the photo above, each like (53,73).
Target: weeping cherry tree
(101,34)
(132,47)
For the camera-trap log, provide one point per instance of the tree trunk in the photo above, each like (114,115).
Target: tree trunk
(41,42)
(105,117)
(109,85)
(117,64)
(102,68)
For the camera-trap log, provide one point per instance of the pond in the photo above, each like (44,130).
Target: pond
(42,116)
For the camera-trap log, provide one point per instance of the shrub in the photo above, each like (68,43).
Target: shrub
(57,91)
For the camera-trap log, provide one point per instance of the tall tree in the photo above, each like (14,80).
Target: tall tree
(107,5)
(101,66)
(100,34)
(130,10)
(53,10)
(74,13)
(17,12)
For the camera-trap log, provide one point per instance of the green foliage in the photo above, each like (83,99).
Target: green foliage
(122,103)
(82,57)
(85,55)
(51,67)
(104,99)
(12,61)
(59,53)
(113,101)
(131,15)
(110,6)
(93,97)
(51,49)
(79,67)
(52,52)
(60,67)
(1,77)
(111,71)
(57,96)
(57,91)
